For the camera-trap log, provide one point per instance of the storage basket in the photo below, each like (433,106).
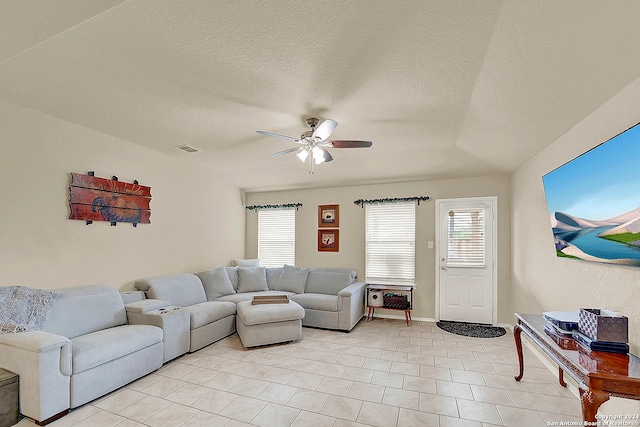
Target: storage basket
(375,299)
(396,301)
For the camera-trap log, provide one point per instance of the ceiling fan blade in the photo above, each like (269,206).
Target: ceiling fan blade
(287,151)
(277,135)
(324,130)
(350,144)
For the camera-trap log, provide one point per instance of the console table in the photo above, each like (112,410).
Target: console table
(599,374)
(395,288)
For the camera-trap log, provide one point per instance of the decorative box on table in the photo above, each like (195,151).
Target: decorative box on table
(603,325)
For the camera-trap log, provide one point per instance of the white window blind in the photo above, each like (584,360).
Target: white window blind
(277,237)
(465,238)
(390,243)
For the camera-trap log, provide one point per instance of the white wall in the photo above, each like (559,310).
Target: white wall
(197,220)
(541,281)
(351,254)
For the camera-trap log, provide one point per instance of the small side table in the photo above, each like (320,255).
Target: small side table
(391,288)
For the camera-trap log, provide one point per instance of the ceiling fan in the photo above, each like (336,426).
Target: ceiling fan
(314,144)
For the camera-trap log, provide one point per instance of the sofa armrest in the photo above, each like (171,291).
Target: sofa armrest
(43,362)
(352,288)
(146,305)
(351,305)
(35,341)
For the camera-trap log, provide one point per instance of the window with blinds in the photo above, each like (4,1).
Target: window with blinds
(277,237)
(390,243)
(465,238)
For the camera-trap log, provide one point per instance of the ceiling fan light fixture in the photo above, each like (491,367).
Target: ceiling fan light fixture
(314,142)
(318,155)
(303,154)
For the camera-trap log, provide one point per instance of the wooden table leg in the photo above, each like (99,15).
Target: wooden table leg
(561,377)
(591,401)
(517,330)
(406,316)
(370,314)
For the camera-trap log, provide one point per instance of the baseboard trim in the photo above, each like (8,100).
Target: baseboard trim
(391,316)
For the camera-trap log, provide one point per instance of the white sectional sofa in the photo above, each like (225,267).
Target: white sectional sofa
(96,339)
(331,297)
(85,350)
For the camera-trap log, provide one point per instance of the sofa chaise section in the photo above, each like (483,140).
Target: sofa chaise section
(332,299)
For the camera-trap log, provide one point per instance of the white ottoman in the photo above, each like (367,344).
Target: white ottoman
(263,324)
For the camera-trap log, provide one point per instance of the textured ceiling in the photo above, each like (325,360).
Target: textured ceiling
(443,88)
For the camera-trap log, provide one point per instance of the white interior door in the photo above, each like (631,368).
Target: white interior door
(466,288)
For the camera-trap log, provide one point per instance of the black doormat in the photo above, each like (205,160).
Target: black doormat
(477,330)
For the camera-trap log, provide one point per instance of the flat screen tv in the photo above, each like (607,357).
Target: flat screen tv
(594,202)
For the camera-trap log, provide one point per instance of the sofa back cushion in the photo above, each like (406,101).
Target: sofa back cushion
(233,276)
(329,281)
(85,309)
(216,283)
(292,279)
(182,289)
(273,273)
(252,279)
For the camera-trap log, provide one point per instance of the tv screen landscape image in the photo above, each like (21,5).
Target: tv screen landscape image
(594,202)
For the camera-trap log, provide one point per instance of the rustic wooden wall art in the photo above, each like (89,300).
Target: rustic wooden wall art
(101,199)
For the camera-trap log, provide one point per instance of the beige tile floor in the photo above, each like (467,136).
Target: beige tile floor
(383,373)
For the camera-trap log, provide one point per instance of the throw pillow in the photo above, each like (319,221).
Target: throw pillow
(292,279)
(247,262)
(252,279)
(216,283)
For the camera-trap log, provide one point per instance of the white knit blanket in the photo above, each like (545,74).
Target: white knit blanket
(24,309)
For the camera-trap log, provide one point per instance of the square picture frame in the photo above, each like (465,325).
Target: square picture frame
(329,240)
(328,216)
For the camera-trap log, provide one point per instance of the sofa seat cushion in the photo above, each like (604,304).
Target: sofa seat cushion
(248,296)
(96,348)
(208,312)
(260,314)
(317,301)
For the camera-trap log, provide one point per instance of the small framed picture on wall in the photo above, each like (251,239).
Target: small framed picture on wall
(328,215)
(328,240)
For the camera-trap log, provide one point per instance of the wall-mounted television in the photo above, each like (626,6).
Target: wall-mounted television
(594,202)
